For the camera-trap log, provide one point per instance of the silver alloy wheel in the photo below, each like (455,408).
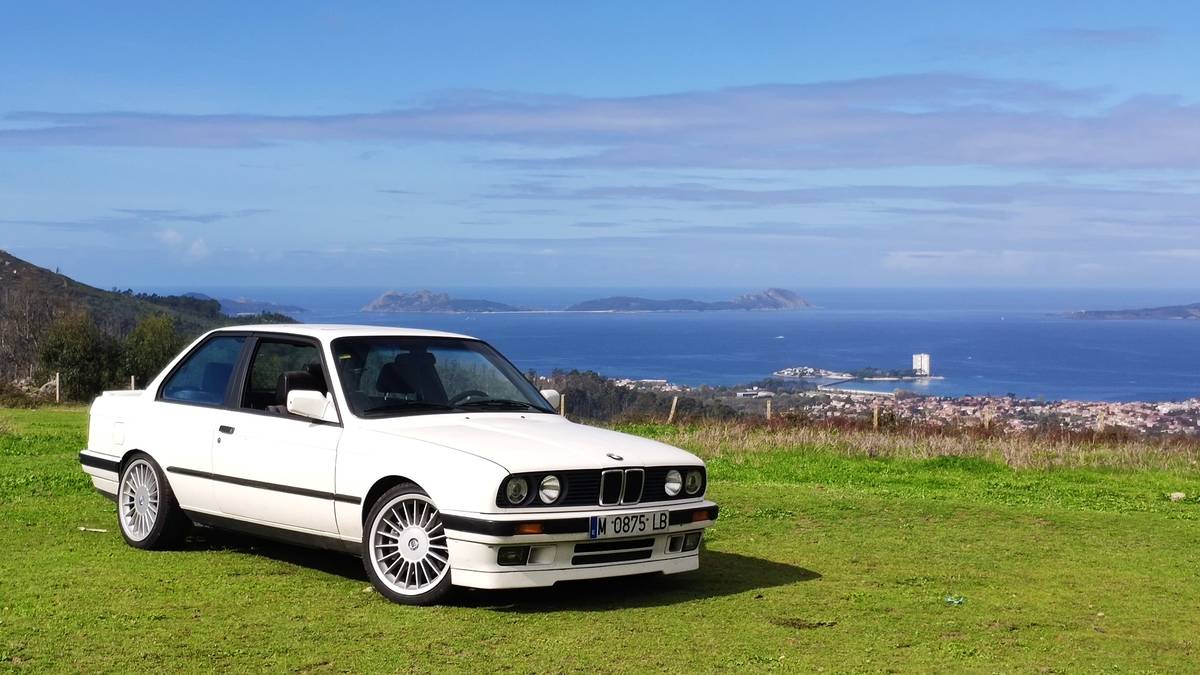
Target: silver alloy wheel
(138,500)
(408,545)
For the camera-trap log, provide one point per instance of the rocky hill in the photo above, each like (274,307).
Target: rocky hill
(772,299)
(32,297)
(428,301)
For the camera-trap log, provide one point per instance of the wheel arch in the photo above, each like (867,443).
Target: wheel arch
(377,489)
(130,453)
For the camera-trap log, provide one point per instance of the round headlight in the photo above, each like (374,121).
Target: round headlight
(674,483)
(695,479)
(516,490)
(549,490)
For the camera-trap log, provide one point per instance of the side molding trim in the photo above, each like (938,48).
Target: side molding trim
(261,485)
(306,539)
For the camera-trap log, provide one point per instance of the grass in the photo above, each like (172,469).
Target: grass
(1044,449)
(824,559)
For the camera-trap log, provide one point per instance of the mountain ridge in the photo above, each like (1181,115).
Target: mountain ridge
(1177,312)
(33,297)
(771,299)
(424,300)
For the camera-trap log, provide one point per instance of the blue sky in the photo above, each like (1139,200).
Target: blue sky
(613,144)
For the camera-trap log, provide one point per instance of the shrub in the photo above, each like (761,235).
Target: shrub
(87,358)
(150,346)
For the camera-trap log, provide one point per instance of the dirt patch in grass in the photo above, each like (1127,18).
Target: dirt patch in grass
(802,624)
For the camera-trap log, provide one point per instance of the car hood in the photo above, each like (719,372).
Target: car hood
(534,442)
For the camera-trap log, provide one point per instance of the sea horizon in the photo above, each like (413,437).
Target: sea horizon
(982,341)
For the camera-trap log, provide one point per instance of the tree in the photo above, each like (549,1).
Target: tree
(87,357)
(151,344)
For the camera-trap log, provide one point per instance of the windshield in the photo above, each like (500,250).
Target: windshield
(389,376)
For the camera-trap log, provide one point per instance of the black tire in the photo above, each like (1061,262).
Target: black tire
(167,527)
(423,538)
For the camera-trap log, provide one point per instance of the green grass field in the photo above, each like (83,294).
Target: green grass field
(821,561)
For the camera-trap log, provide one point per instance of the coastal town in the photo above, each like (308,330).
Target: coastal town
(1003,414)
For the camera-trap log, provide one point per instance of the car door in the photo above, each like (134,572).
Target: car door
(182,426)
(271,466)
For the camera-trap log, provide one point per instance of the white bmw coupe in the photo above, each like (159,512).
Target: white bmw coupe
(426,453)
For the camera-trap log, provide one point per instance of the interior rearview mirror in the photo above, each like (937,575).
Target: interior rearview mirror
(311,404)
(553,397)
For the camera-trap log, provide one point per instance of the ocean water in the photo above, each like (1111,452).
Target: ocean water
(981,341)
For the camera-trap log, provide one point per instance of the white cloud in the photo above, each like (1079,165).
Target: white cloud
(197,250)
(970,262)
(922,119)
(169,236)
(1175,253)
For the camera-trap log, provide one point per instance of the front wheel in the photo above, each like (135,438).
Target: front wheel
(405,551)
(146,509)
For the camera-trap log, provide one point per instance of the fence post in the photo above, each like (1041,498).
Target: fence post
(58,387)
(132,382)
(671,415)
(768,409)
(875,416)
(562,404)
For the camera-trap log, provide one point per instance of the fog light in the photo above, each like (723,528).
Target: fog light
(691,540)
(541,555)
(512,555)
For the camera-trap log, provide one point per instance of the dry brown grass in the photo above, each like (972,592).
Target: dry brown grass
(1041,450)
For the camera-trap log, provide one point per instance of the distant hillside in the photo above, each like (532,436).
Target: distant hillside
(1172,312)
(246,306)
(32,297)
(772,299)
(427,301)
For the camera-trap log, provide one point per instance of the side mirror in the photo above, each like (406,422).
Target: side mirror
(311,404)
(553,397)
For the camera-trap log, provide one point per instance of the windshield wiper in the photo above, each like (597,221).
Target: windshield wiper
(400,406)
(500,403)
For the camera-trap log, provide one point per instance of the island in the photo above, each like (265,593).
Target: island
(772,299)
(428,301)
(1170,312)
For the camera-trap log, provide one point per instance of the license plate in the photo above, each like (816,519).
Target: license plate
(629,525)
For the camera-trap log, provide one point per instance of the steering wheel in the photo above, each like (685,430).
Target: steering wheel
(470,393)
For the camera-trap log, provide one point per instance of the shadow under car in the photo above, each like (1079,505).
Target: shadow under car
(720,574)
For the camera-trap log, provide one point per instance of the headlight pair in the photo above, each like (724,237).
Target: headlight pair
(516,490)
(676,481)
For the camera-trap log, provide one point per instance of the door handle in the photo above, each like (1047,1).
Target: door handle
(225,429)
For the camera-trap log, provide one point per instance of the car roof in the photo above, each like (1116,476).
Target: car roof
(327,331)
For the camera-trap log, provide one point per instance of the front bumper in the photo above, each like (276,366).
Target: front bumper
(565,552)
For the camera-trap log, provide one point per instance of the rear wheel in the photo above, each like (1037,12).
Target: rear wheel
(405,550)
(147,512)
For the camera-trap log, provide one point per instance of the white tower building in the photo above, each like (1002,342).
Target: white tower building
(921,365)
